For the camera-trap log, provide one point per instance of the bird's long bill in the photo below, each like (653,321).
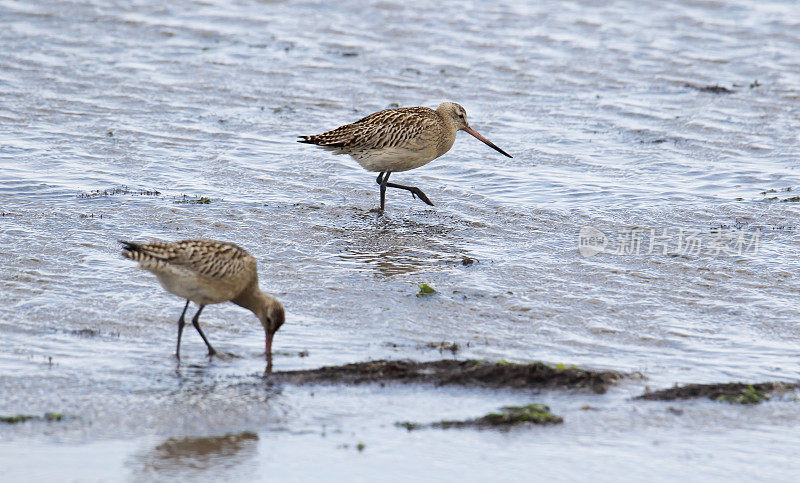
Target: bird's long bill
(269,337)
(486,141)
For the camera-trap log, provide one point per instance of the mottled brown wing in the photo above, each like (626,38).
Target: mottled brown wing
(401,127)
(209,258)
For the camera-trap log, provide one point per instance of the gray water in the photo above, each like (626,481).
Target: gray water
(603,107)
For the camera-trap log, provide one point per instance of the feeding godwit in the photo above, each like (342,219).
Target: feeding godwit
(398,140)
(209,272)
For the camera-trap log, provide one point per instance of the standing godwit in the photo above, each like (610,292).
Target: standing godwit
(209,272)
(398,140)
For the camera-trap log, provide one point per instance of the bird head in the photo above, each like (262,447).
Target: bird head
(457,115)
(272,317)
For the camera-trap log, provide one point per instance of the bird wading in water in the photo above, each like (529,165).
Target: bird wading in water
(399,139)
(209,272)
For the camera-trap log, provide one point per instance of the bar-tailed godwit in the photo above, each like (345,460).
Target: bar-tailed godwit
(398,140)
(209,272)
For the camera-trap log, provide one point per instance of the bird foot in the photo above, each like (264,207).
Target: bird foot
(416,192)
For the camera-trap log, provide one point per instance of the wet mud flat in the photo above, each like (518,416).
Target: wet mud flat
(468,373)
(504,375)
(500,375)
(609,138)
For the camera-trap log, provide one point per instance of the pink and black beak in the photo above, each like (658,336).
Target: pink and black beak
(269,337)
(486,141)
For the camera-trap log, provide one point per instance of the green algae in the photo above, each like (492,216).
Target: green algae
(21,418)
(409,425)
(531,413)
(749,395)
(508,416)
(202,200)
(18,418)
(732,392)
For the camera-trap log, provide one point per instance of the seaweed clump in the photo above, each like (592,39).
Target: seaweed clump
(715,89)
(507,417)
(21,418)
(202,200)
(469,373)
(732,392)
(122,190)
(750,395)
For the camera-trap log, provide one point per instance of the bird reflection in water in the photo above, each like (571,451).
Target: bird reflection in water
(182,457)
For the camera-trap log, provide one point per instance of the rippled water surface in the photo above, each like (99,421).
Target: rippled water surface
(115,118)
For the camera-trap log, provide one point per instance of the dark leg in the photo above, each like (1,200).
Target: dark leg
(196,324)
(382,180)
(414,191)
(181,323)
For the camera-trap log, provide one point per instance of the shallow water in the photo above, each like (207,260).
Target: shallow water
(601,104)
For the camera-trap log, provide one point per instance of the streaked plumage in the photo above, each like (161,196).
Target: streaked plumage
(398,139)
(209,272)
(394,139)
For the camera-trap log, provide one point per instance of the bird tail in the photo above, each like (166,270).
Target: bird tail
(137,252)
(129,246)
(325,141)
(129,249)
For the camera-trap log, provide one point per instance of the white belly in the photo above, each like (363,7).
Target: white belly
(393,159)
(189,286)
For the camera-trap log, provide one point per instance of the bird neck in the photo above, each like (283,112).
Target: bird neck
(449,130)
(251,298)
(446,116)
